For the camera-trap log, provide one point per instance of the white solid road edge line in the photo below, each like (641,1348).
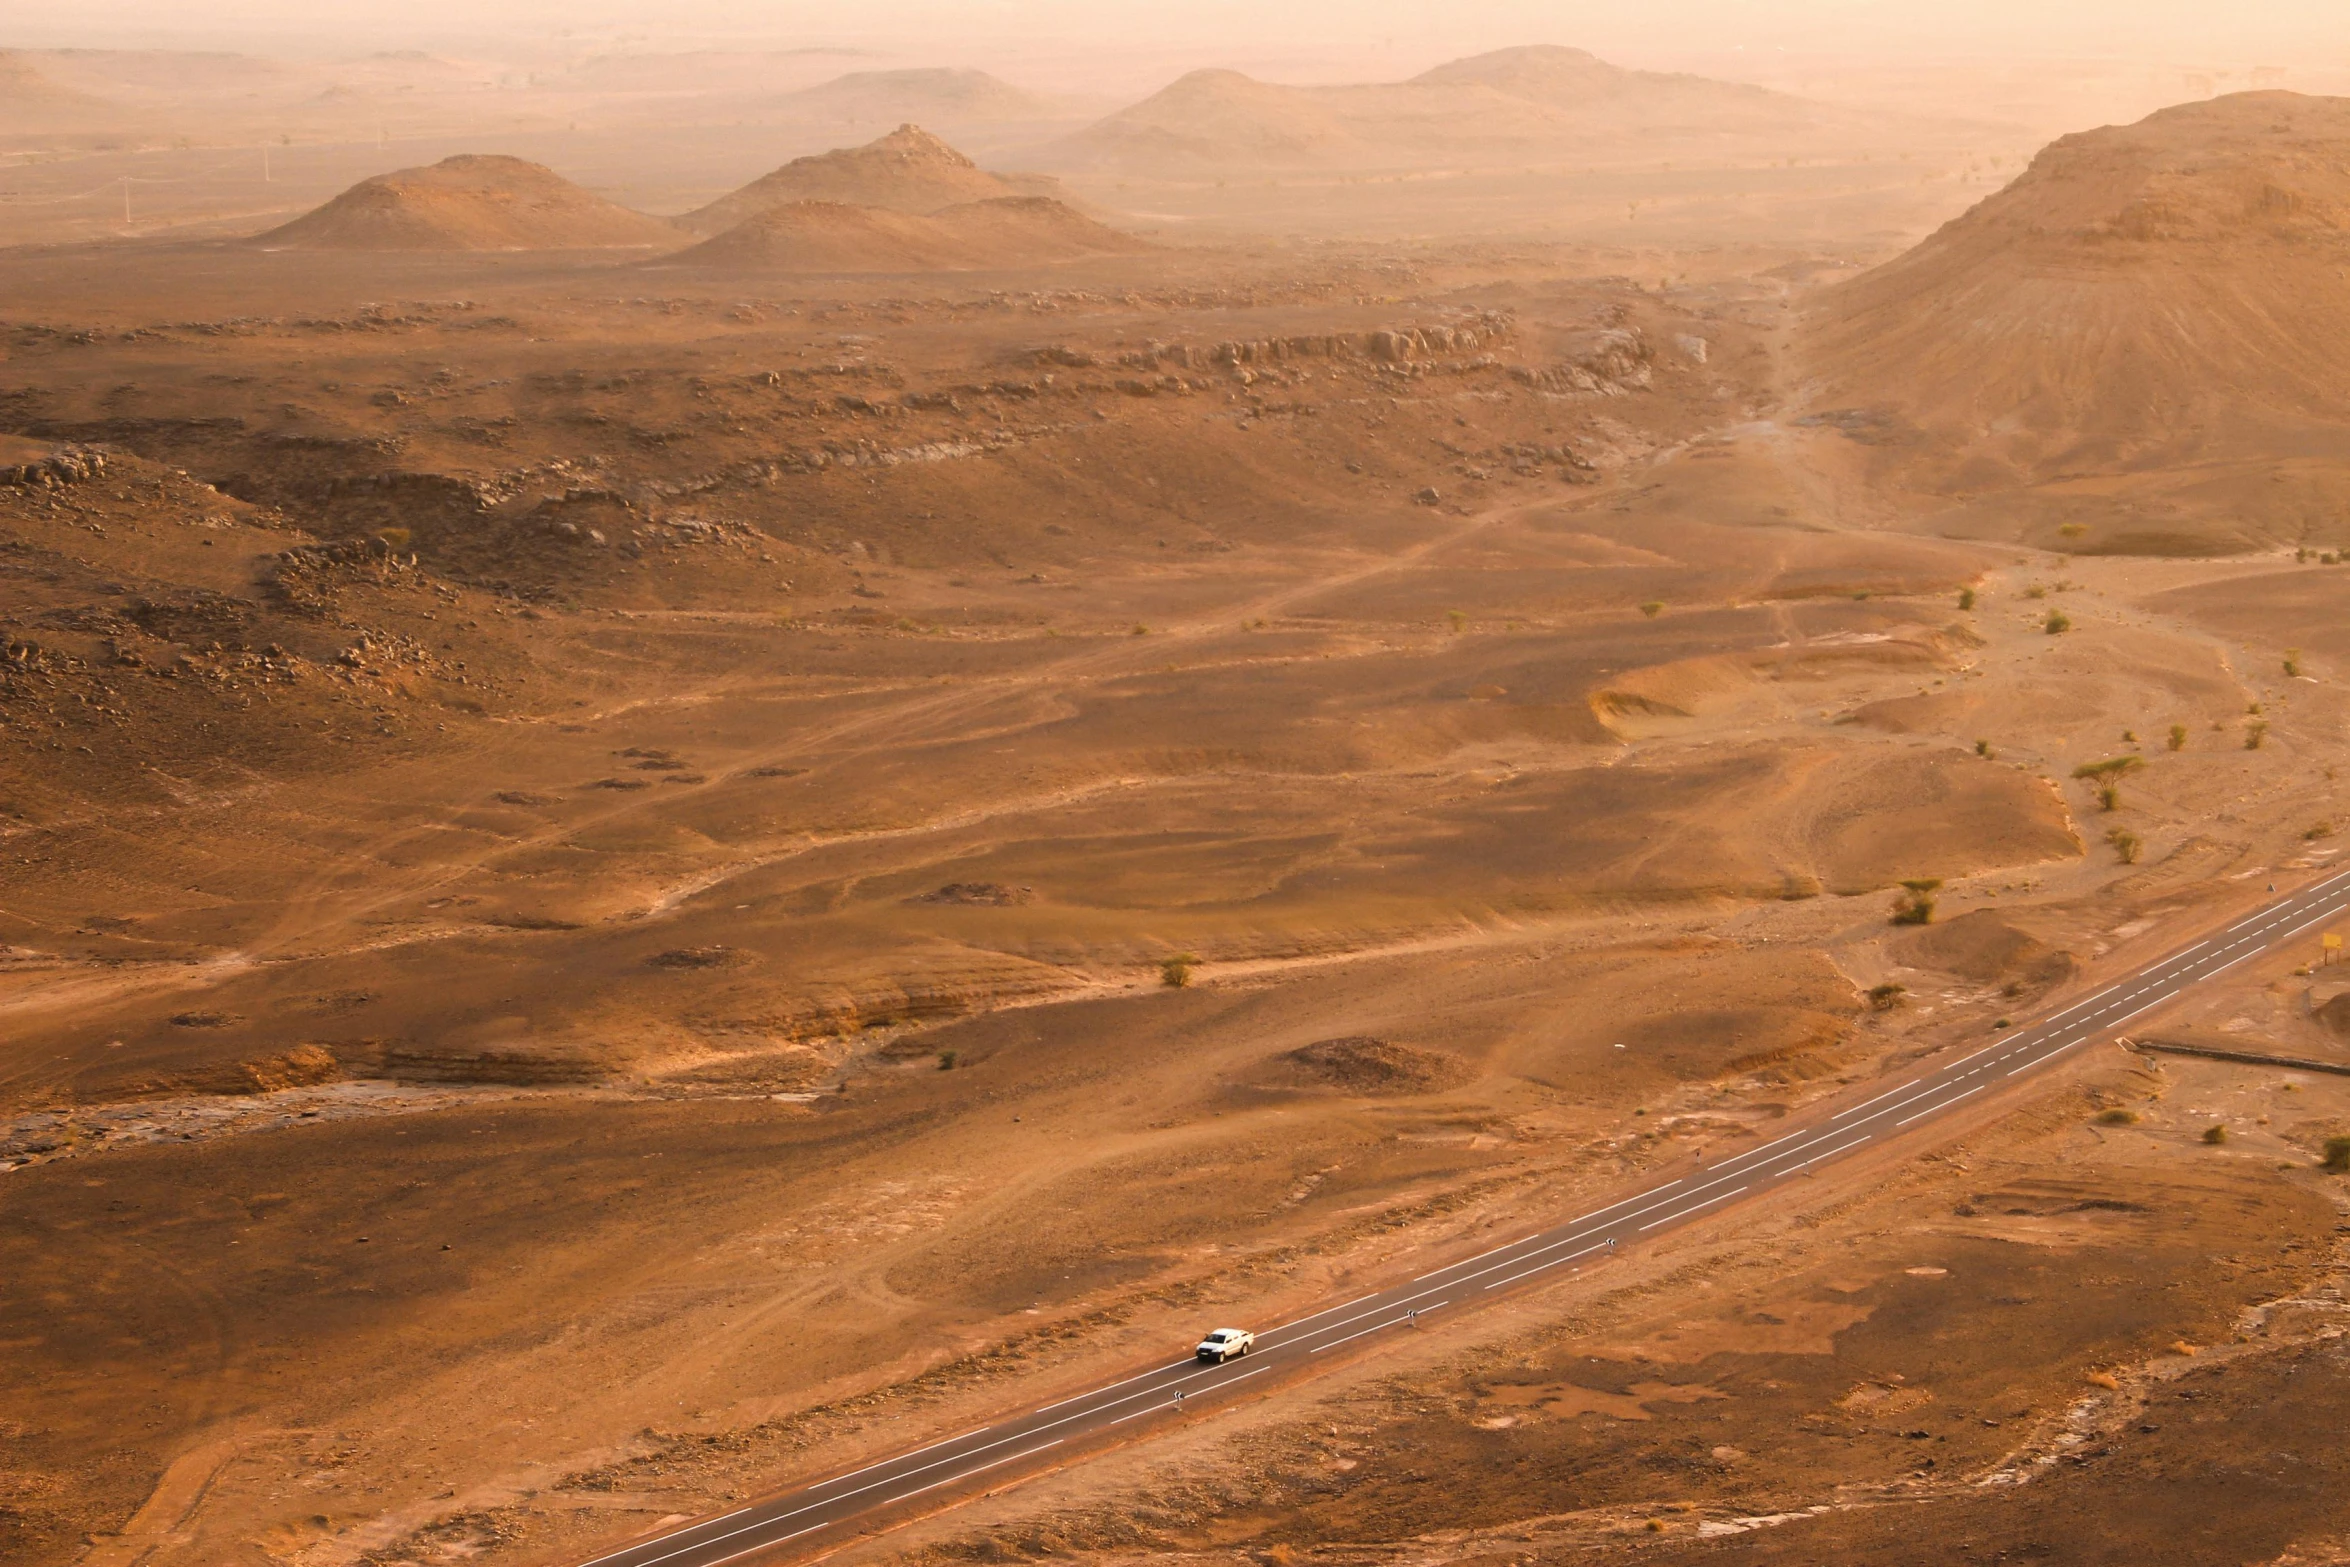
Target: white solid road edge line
(1830,1154)
(1093,1393)
(768,1545)
(1709,1202)
(1945,1104)
(1299,1322)
(1554,1262)
(2173,977)
(993,1463)
(1413,1315)
(1865,1103)
(1160,1409)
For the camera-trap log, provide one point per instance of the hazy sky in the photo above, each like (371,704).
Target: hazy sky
(1328,34)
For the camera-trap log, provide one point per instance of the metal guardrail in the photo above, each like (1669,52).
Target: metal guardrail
(2247,1057)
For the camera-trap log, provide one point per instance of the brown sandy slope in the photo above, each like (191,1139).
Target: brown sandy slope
(909,170)
(1524,100)
(2162,296)
(825,236)
(469,202)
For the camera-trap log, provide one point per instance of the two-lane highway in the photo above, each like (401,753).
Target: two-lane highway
(768,1525)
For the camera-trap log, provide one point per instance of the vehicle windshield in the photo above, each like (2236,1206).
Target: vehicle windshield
(1220,1335)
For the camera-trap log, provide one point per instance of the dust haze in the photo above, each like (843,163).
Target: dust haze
(731,738)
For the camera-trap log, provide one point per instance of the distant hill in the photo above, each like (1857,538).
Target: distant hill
(470,202)
(31,99)
(1583,85)
(944,97)
(2164,296)
(707,70)
(1531,101)
(909,170)
(826,236)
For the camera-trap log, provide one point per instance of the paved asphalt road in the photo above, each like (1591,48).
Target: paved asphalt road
(1002,1449)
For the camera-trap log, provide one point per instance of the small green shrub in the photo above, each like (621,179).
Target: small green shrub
(2127,846)
(2178,737)
(2215,1135)
(1966,598)
(2057,623)
(2117,1116)
(1653,608)
(1983,749)
(946,1060)
(1885,997)
(1175,972)
(2255,734)
(2337,1150)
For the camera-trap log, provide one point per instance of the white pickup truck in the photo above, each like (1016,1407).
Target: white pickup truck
(1226,1344)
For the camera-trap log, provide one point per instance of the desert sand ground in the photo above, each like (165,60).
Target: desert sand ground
(595,847)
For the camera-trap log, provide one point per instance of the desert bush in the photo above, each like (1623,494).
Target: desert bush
(1175,972)
(2038,590)
(1915,906)
(2292,661)
(2106,775)
(2317,830)
(1459,619)
(2127,846)
(1983,749)
(2072,530)
(1653,608)
(2337,1151)
(946,1060)
(2215,1135)
(1885,997)
(2255,734)
(2178,737)
(1966,598)
(2057,623)
(2117,1116)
